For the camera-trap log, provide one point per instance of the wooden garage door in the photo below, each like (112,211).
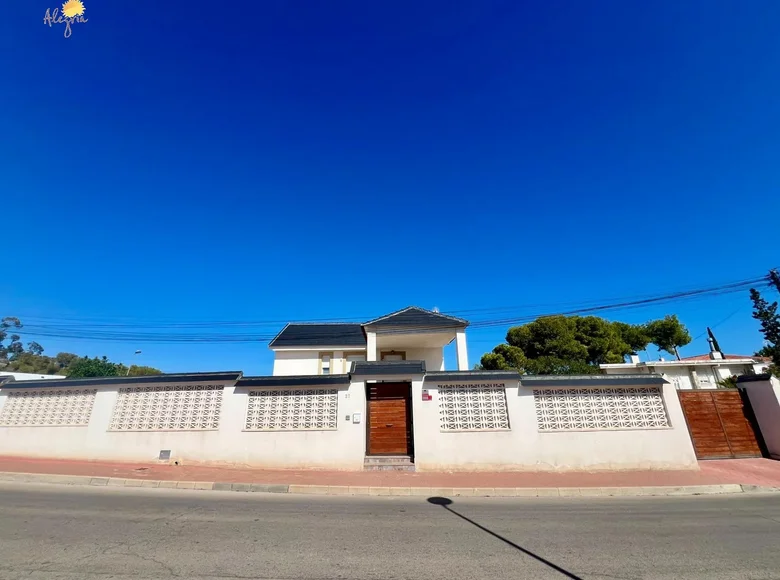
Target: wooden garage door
(389,419)
(718,424)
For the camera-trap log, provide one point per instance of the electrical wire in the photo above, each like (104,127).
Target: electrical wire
(228,331)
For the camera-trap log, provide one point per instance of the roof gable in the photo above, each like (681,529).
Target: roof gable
(300,335)
(415,317)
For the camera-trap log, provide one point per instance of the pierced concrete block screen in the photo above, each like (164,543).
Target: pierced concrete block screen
(473,407)
(292,410)
(172,408)
(599,409)
(48,408)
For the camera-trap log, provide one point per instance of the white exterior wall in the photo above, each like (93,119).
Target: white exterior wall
(343,448)
(680,377)
(524,448)
(765,400)
(433,357)
(461,351)
(297,362)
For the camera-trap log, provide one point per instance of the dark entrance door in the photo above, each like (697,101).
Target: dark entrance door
(389,419)
(719,424)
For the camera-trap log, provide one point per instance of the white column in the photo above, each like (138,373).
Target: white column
(460,347)
(370,346)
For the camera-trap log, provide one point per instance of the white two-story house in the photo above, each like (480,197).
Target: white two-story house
(408,334)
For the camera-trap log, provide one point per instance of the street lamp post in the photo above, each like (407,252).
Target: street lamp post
(128,368)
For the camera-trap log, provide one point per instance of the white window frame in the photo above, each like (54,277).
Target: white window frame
(326,363)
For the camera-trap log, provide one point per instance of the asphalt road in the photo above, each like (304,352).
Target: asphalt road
(56,532)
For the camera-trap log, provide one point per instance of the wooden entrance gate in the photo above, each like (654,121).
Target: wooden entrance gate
(720,424)
(389,422)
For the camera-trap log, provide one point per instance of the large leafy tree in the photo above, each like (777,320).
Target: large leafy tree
(668,334)
(565,345)
(578,344)
(94,367)
(10,342)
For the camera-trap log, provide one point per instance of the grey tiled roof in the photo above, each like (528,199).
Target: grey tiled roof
(376,368)
(457,376)
(754,378)
(294,381)
(590,380)
(139,380)
(414,317)
(303,335)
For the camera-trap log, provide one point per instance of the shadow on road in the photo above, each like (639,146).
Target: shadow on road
(446,503)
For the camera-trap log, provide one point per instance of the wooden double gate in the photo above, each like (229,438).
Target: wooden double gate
(721,424)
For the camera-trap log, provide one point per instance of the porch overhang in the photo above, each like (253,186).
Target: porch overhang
(217,377)
(387,370)
(294,381)
(470,376)
(591,380)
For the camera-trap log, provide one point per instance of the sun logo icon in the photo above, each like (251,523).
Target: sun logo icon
(73,8)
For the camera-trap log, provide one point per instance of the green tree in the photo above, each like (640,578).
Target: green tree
(766,314)
(7,351)
(634,335)
(565,345)
(93,367)
(668,334)
(578,344)
(136,370)
(14,358)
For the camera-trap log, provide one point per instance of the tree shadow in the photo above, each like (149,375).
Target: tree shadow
(446,503)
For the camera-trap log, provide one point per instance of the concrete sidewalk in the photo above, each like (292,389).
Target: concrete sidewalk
(727,476)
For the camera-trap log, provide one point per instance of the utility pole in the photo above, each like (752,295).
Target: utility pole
(774,279)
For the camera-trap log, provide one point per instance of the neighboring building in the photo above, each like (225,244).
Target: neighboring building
(693,372)
(29,376)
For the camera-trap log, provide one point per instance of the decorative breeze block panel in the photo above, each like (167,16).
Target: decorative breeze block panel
(473,407)
(292,410)
(48,408)
(599,409)
(172,408)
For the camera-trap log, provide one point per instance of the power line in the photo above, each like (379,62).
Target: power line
(173,332)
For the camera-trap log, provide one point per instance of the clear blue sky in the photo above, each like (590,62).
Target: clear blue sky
(296,160)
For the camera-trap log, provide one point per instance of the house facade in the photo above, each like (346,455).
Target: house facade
(695,372)
(375,395)
(409,334)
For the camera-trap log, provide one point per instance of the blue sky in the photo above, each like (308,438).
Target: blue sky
(291,160)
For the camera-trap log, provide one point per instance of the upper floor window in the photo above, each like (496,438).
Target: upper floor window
(325,362)
(393,355)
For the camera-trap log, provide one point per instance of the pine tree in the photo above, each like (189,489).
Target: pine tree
(766,313)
